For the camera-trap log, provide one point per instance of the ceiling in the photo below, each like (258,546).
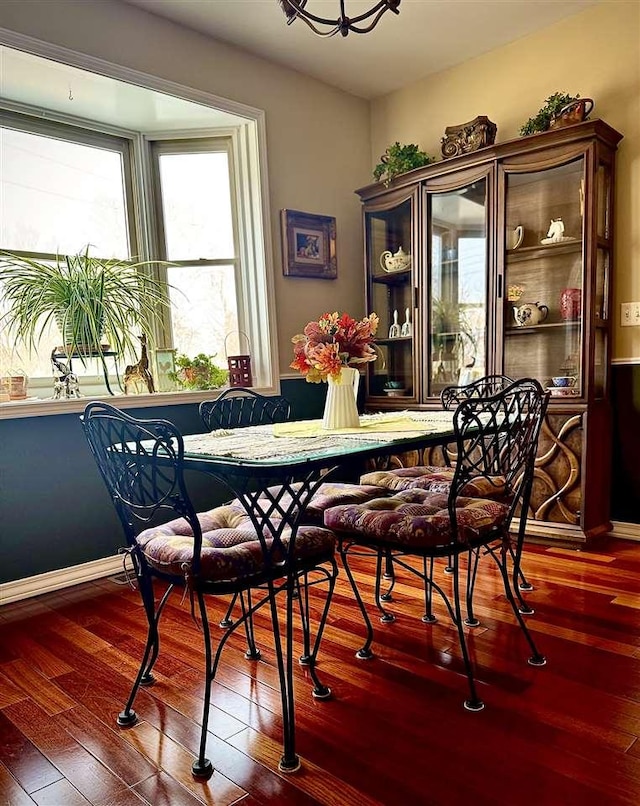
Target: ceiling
(426,37)
(33,81)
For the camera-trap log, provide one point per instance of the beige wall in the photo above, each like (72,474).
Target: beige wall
(595,53)
(322,143)
(317,137)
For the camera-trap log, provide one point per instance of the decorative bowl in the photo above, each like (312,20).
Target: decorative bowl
(564,380)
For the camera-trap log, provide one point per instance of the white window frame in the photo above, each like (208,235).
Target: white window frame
(256,305)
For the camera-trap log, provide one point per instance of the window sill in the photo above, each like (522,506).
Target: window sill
(44,408)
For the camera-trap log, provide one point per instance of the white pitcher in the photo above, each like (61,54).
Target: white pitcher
(340,410)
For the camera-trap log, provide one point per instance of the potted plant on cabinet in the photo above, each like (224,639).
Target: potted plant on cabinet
(399,159)
(98,304)
(559,109)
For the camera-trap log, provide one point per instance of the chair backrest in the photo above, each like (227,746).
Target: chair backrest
(497,439)
(240,407)
(484,387)
(141,462)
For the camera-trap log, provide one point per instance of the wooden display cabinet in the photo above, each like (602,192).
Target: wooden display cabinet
(511,266)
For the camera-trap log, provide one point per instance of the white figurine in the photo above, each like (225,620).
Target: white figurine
(405,330)
(394,330)
(556,230)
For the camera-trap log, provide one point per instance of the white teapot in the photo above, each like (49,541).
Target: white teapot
(528,314)
(395,262)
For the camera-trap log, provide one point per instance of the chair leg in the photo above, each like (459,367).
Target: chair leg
(128,716)
(202,767)
(303,604)
(320,691)
(474,703)
(227,621)
(520,582)
(289,762)
(252,653)
(386,617)
(364,653)
(429,617)
(473,555)
(537,658)
(390,574)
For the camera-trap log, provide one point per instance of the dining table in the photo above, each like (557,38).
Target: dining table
(252,460)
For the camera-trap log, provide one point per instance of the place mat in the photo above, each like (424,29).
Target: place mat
(257,443)
(384,427)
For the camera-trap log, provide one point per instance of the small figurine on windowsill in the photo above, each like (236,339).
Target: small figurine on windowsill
(66,386)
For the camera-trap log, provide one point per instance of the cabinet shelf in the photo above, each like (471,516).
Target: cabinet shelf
(545,326)
(396,340)
(393,278)
(523,253)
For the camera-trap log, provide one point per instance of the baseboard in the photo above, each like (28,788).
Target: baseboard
(66,577)
(626,531)
(56,580)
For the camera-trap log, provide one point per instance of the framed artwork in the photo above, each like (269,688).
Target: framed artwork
(309,245)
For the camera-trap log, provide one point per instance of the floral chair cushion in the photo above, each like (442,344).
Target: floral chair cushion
(329,494)
(230,545)
(414,519)
(434,479)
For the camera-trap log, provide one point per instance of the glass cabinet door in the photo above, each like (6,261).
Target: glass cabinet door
(457,305)
(391,295)
(544,277)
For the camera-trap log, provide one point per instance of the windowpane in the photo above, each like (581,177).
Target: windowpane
(196,203)
(57,196)
(204,310)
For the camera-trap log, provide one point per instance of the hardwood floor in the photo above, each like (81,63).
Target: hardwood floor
(395,731)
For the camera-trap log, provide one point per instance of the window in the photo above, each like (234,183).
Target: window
(199,207)
(61,189)
(197,229)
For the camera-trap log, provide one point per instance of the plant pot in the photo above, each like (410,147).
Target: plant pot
(575,112)
(71,330)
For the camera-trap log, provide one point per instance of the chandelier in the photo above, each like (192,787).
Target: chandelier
(361,24)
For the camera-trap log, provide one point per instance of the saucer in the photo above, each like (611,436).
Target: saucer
(563,391)
(564,239)
(395,392)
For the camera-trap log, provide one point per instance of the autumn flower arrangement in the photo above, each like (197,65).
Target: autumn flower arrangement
(334,341)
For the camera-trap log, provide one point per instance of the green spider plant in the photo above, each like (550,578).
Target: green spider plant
(98,304)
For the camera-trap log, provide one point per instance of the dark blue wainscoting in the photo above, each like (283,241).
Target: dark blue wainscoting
(55,512)
(54,508)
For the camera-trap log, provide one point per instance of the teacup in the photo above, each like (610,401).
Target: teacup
(393,385)
(514,237)
(564,380)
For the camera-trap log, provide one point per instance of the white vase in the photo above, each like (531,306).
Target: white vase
(340,410)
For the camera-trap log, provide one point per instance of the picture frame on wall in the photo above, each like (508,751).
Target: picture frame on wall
(308,245)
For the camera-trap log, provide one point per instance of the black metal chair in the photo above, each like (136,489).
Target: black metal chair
(238,407)
(222,551)
(496,442)
(433,478)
